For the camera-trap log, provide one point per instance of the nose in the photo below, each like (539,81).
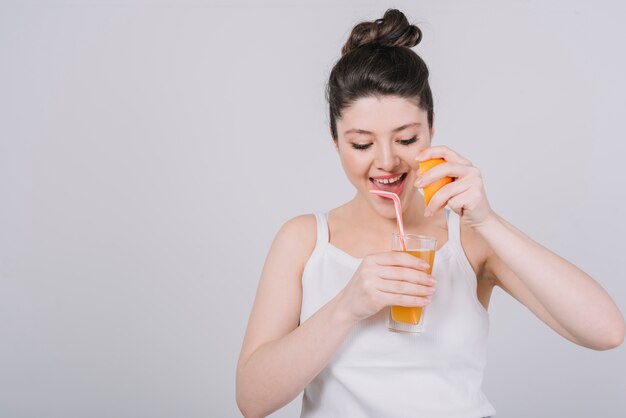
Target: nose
(386,158)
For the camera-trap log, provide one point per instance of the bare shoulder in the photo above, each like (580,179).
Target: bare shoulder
(297,237)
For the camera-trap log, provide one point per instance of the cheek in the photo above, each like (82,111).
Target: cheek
(354,164)
(409,158)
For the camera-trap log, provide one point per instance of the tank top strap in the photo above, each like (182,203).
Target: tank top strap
(454,227)
(322,228)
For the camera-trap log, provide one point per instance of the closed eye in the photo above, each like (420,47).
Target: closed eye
(361,147)
(408,141)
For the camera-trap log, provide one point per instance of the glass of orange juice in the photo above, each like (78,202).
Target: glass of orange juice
(405,318)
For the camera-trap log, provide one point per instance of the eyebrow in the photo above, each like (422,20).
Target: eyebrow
(398,129)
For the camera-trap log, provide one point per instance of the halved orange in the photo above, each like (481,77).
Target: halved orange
(432,188)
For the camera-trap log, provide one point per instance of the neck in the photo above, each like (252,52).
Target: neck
(364,214)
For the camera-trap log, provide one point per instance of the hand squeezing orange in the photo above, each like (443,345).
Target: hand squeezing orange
(432,188)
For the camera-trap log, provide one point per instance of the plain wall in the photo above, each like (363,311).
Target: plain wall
(149,151)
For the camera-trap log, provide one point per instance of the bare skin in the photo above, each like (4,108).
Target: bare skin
(280,356)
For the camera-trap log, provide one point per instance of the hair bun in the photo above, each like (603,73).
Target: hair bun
(393,29)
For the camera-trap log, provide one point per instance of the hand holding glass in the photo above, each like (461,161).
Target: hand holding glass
(411,319)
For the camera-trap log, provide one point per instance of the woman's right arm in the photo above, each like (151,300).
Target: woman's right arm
(279,357)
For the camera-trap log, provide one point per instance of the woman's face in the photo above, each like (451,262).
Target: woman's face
(378,140)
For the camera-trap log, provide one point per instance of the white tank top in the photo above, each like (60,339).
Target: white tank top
(378,373)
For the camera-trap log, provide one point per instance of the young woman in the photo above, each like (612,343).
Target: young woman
(319,319)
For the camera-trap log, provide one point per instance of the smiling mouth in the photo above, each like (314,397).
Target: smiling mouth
(394,185)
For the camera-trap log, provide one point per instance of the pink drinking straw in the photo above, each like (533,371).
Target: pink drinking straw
(396,204)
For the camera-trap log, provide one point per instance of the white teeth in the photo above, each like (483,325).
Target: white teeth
(387,181)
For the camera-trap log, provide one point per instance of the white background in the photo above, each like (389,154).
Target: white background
(149,151)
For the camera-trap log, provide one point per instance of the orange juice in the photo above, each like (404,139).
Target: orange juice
(412,315)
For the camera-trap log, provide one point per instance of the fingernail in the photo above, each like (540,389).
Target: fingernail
(431,291)
(432,281)
(418,183)
(427,213)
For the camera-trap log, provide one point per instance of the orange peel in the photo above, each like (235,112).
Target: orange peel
(432,188)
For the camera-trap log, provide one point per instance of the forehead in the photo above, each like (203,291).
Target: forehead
(380,114)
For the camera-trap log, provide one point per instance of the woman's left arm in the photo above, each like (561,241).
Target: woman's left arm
(558,292)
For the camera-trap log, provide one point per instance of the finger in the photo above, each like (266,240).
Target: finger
(404,288)
(405,300)
(467,201)
(454,170)
(456,204)
(407,275)
(441,151)
(447,192)
(401,259)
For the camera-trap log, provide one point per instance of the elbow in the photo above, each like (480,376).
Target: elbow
(246,403)
(240,401)
(610,344)
(246,408)
(618,336)
(613,338)
(249,402)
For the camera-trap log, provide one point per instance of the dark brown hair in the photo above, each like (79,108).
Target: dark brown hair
(377,61)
